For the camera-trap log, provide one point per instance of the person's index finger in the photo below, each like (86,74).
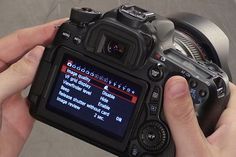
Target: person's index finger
(18,43)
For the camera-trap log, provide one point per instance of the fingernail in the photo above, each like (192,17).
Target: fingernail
(178,89)
(35,54)
(57,27)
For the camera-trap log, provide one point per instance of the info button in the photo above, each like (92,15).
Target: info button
(77,40)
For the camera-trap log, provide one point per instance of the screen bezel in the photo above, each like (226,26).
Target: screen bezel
(75,128)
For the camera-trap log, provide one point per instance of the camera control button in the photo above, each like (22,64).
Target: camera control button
(153,109)
(193,84)
(134,151)
(153,136)
(65,35)
(202,93)
(155,95)
(155,73)
(77,40)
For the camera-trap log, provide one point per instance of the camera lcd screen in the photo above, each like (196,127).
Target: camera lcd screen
(98,99)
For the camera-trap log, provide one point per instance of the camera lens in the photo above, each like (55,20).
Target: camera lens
(114,48)
(201,40)
(188,46)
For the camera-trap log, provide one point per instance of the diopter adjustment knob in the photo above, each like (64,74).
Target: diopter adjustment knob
(84,16)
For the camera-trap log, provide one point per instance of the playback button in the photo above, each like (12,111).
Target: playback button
(153,109)
(154,101)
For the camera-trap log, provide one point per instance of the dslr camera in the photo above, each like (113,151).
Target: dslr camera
(102,78)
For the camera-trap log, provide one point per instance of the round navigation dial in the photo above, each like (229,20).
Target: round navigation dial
(153,136)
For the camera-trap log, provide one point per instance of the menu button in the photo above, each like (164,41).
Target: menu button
(65,35)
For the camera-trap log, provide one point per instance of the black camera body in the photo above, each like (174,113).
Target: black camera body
(103,77)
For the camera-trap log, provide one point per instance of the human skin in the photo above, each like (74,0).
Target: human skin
(20,53)
(187,135)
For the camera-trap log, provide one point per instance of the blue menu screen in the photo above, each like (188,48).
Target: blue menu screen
(94,97)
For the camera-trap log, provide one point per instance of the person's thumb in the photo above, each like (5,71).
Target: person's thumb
(20,74)
(181,118)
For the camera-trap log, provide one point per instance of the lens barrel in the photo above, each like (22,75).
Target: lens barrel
(201,39)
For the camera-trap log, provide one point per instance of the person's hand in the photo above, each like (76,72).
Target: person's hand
(20,54)
(187,135)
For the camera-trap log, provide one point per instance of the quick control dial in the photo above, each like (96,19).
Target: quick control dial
(153,136)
